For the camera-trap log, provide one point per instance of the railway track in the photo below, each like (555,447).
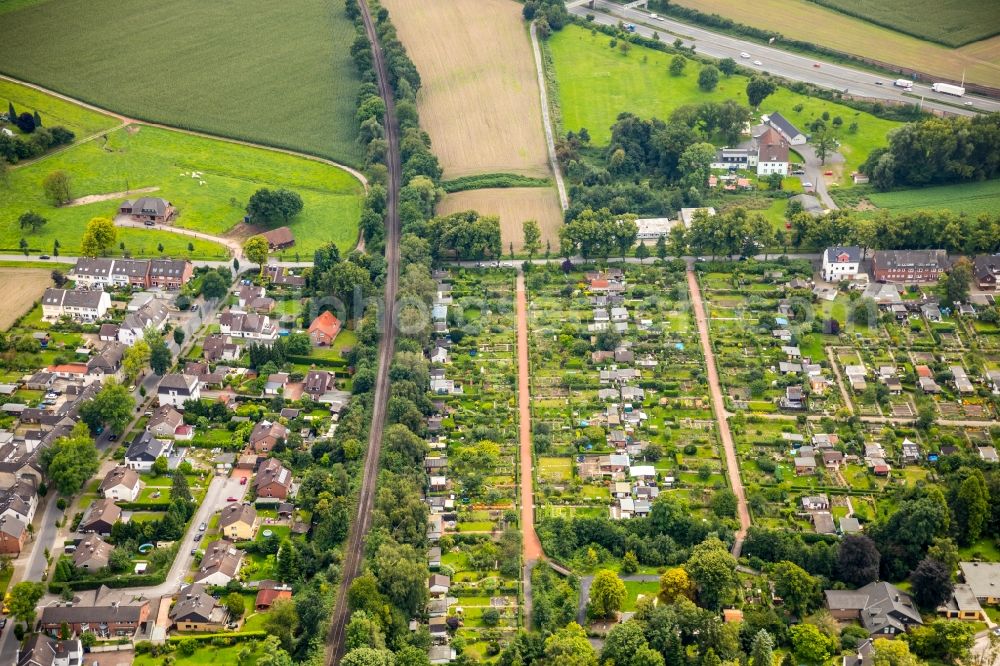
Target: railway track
(354,550)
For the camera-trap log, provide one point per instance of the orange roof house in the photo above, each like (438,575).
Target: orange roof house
(324,329)
(923,371)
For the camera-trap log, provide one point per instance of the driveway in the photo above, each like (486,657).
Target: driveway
(234,246)
(814,171)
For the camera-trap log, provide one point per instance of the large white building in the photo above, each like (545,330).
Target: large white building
(841,263)
(80,304)
(652,228)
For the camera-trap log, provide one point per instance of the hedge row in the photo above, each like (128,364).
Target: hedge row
(493,180)
(318,362)
(232,637)
(142,580)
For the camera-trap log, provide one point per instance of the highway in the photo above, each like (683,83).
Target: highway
(354,548)
(785,64)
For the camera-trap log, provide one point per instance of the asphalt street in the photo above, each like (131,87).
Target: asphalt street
(782,63)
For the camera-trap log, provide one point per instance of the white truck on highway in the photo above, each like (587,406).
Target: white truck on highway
(906,84)
(948,89)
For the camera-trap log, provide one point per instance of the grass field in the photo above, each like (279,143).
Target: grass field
(514,205)
(141,156)
(810,22)
(274,73)
(479,101)
(969,198)
(596,83)
(22,286)
(54,111)
(956,22)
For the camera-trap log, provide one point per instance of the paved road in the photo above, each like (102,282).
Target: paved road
(783,63)
(719,407)
(354,548)
(532,545)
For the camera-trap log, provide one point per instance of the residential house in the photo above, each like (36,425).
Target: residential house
(13,535)
(219,347)
(283,277)
(108,332)
(317,383)
(266,435)
(276,383)
(653,228)
(273,480)
(772,154)
(169,273)
(986,270)
(279,239)
(197,610)
(324,329)
(249,326)
(883,609)
(841,263)
(220,564)
(100,517)
(164,421)
(105,612)
(254,298)
(788,131)
(91,273)
(856,375)
(823,522)
(963,605)
(931,311)
(83,305)
(805,465)
(238,521)
(92,553)
(20,500)
(106,364)
(147,209)
(176,389)
(43,650)
(152,315)
(910,452)
(121,484)
(145,449)
(832,459)
(909,266)
(269,591)
(988,454)
(794,398)
(438,585)
(984,580)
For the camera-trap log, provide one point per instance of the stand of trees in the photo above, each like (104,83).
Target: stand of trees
(39,140)
(937,150)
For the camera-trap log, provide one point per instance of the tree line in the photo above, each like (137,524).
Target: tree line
(937,151)
(39,139)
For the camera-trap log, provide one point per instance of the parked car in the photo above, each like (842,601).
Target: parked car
(243,481)
(44,256)
(202,527)
(232,499)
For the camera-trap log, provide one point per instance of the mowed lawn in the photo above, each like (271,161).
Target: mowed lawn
(968,198)
(141,156)
(54,111)
(809,22)
(956,22)
(596,83)
(277,73)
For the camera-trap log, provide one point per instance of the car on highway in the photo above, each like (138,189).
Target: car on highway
(758,63)
(744,55)
(816,65)
(878,83)
(44,256)
(968,103)
(202,527)
(656,17)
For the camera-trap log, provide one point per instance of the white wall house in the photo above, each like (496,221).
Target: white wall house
(841,263)
(80,304)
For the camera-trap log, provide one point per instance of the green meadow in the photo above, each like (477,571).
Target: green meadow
(596,83)
(277,73)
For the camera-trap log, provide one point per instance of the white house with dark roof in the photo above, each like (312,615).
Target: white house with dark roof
(145,449)
(176,389)
(84,305)
(152,315)
(841,263)
(790,132)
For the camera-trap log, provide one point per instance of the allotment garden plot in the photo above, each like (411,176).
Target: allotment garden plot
(840,395)
(620,405)
(473,454)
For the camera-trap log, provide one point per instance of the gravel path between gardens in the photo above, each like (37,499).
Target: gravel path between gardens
(719,407)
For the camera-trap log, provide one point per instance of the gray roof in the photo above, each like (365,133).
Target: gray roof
(173,268)
(853,253)
(782,124)
(92,267)
(146,447)
(194,604)
(910,258)
(982,577)
(153,205)
(178,382)
(76,298)
(879,605)
(102,605)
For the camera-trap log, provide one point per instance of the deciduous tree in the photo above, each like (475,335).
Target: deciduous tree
(111,407)
(255,249)
(99,237)
(607,595)
(31,221)
(57,188)
(758,89)
(71,460)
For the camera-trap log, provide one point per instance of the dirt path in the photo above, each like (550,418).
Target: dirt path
(719,407)
(546,120)
(233,245)
(532,546)
(94,198)
(840,380)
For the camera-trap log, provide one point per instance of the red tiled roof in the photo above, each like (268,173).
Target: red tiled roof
(326,323)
